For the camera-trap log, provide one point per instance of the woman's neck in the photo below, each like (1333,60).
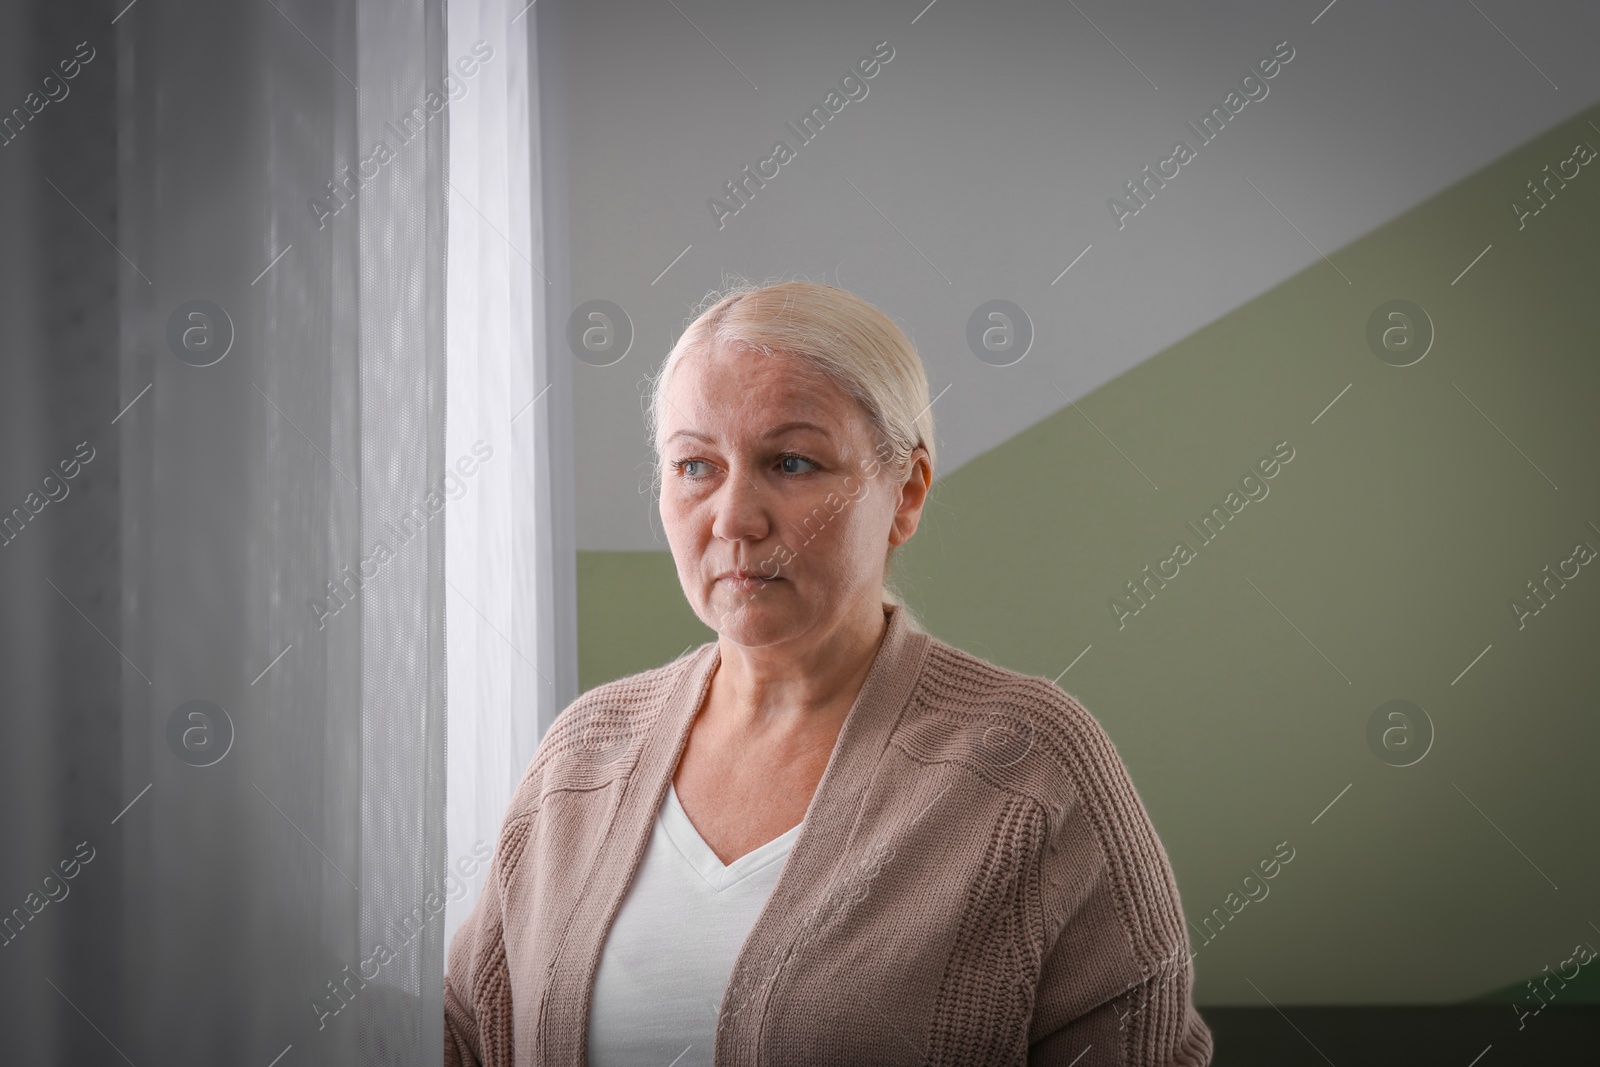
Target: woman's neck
(791,689)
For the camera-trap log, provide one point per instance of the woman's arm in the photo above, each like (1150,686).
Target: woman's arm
(477,982)
(1152,1024)
(1115,985)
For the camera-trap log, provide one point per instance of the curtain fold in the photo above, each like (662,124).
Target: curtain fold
(282,209)
(509,599)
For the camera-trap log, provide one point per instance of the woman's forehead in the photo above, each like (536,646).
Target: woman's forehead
(729,385)
(747,421)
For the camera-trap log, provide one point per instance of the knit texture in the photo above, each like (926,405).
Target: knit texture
(976,882)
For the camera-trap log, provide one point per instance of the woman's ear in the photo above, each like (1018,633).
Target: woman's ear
(913,495)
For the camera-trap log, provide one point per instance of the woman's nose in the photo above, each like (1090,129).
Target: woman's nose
(741,509)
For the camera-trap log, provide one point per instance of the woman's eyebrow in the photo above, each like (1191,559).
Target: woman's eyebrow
(797,424)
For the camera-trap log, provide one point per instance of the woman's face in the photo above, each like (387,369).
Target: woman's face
(768,466)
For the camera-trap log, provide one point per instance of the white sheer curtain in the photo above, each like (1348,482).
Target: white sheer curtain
(280,184)
(258,517)
(509,564)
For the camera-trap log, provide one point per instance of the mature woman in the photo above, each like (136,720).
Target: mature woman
(827,837)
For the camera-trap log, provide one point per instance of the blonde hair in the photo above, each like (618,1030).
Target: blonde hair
(853,343)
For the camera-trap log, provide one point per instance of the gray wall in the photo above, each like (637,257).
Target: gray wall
(992,142)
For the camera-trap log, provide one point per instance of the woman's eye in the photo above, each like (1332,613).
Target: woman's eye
(799,459)
(686,466)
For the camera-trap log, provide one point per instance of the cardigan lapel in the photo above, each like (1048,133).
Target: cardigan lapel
(816,856)
(565,1022)
(827,836)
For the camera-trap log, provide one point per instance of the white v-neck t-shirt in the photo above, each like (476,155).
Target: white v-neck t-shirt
(666,960)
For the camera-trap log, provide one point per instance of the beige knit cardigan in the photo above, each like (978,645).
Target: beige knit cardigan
(976,881)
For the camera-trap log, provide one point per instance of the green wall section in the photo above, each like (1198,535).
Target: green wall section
(1550,987)
(1381,563)
(632,615)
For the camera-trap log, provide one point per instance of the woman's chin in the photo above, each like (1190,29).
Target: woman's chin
(753,619)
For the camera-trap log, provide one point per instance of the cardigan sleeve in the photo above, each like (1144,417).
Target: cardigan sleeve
(1153,1024)
(1115,984)
(477,983)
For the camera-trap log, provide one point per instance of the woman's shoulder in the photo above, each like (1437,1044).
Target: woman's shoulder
(1026,735)
(1021,731)
(957,682)
(631,695)
(591,737)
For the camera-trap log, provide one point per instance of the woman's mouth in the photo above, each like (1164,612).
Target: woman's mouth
(746,584)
